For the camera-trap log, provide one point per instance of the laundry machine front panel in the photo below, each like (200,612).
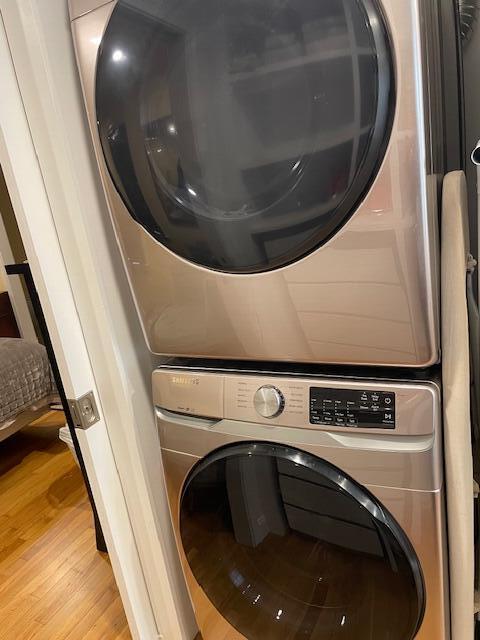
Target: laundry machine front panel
(284,544)
(237,489)
(421,515)
(242,135)
(260,219)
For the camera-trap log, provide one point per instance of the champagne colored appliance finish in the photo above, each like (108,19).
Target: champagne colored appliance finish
(81,7)
(369,295)
(232,397)
(401,469)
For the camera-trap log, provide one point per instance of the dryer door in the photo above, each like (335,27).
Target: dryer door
(242,134)
(284,545)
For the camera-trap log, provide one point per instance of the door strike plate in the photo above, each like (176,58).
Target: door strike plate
(84,411)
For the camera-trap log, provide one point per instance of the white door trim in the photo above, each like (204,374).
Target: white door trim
(50,199)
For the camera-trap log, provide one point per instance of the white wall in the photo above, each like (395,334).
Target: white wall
(41,46)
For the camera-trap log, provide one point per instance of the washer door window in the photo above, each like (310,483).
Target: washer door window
(242,134)
(284,545)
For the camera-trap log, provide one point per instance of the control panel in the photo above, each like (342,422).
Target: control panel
(297,403)
(316,404)
(352,408)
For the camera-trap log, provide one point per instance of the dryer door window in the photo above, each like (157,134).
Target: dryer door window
(284,545)
(242,134)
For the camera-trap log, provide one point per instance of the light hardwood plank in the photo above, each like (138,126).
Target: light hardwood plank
(54,585)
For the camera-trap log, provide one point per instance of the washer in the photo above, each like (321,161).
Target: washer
(272,173)
(306,507)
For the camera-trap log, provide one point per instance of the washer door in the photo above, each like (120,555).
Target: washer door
(243,133)
(285,545)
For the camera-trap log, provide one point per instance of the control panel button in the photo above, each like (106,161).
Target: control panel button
(352,408)
(268,401)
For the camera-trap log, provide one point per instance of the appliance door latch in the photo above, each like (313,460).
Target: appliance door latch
(84,411)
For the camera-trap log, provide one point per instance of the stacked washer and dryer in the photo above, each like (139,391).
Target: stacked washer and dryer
(272,169)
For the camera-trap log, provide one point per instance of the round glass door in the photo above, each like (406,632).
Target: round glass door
(242,134)
(285,545)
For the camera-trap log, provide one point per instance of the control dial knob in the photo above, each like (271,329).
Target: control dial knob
(268,401)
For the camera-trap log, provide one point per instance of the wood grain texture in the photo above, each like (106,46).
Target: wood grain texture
(54,585)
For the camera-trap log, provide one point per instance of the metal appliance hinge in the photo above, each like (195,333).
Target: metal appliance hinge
(84,411)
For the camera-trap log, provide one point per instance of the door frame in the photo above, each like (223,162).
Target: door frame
(49,170)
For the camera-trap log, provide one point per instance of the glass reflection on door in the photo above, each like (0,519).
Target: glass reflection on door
(241,134)
(283,551)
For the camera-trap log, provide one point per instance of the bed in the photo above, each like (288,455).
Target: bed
(26,384)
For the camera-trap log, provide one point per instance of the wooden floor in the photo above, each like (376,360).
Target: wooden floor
(54,585)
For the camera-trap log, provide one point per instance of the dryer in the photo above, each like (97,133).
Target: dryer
(306,506)
(272,172)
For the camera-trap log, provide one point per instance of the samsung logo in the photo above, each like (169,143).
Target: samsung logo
(185,380)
